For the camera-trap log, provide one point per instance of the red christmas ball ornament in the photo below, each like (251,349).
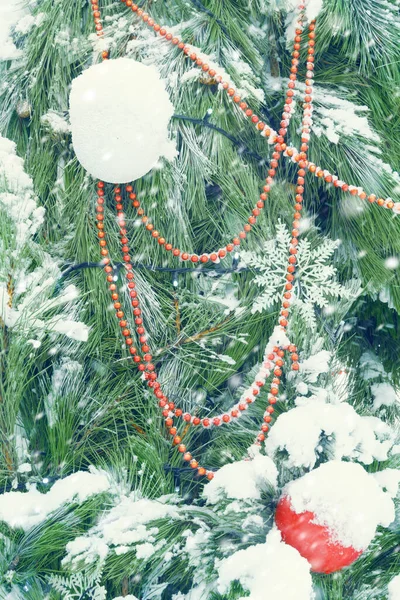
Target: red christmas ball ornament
(314,542)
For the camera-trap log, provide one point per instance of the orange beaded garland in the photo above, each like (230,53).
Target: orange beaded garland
(144,364)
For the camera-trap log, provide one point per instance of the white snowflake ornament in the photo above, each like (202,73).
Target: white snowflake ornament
(316,281)
(119,113)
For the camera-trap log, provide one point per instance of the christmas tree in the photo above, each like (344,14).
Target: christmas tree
(199,298)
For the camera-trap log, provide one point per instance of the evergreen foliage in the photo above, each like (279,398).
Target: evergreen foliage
(68,401)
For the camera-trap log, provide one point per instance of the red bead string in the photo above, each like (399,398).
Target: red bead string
(292,260)
(264,129)
(273,358)
(259,379)
(169,411)
(280,146)
(143,363)
(98,25)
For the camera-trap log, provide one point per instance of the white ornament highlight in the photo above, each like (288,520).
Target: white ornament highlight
(119,113)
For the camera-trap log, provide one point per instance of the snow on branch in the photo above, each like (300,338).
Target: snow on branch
(27,273)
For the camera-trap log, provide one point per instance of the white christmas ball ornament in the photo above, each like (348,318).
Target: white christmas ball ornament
(119,112)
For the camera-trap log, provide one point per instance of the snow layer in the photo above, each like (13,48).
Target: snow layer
(31,289)
(246,89)
(19,201)
(10,12)
(389,480)
(55,122)
(272,570)
(27,509)
(76,330)
(347,119)
(25,316)
(346,499)
(315,365)
(127,105)
(299,431)
(371,367)
(123,529)
(63,376)
(384,395)
(242,480)
(394,588)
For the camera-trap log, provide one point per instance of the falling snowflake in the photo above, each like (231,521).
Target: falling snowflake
(315,283)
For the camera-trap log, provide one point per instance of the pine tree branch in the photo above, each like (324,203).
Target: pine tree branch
(203,271)
(208,12)
(205,123)
(201,334)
